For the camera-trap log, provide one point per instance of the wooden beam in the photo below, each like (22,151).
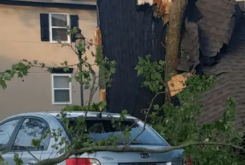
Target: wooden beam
(97,41)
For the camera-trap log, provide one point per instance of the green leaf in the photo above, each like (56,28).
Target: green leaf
(17,159)
(156,107)
(3,84)
(162,63)
(62,150)
(35,142)
(148,56)
(66,69)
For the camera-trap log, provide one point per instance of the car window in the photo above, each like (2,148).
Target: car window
(102,129)
(6,130)
(29,130)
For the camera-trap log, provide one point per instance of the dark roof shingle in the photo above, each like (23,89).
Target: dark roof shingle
(230,79)
(215,28)
(189,44)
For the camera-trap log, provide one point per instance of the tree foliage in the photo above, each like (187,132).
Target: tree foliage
(179,124)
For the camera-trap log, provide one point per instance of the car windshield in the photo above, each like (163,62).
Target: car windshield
(101,129)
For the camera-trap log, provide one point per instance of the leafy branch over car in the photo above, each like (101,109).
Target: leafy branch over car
(87,134)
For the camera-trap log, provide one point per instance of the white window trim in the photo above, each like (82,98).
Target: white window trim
(53,89)
(50,28)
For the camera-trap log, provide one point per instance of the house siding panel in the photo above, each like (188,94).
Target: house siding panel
(20,39)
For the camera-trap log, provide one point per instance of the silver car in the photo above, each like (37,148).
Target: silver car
(17,133)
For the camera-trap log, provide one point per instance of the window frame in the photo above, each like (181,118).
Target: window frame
(15,134)
(53,89)
(58,27)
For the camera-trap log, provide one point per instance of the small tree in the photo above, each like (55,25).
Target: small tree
(179,127)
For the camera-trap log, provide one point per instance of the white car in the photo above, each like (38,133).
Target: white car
(17,133)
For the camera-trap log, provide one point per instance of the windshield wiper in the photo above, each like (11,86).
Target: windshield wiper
(138,143)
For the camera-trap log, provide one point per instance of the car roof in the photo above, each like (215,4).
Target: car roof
(71,114)
(90,114)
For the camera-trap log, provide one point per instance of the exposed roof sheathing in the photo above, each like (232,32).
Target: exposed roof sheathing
(177,83)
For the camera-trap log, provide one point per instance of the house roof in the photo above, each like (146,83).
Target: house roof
(216,25)
(213,29)
(221,27)
(220,35)
(230,77)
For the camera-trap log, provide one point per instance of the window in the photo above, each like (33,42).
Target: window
(53,27)
(61,89)
(31,129)
(58,24)
(6,131)
(103,129)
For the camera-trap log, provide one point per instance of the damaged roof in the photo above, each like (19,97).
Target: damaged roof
(211,25)
(214,28)
(217,24)
(230,77)
(221,39)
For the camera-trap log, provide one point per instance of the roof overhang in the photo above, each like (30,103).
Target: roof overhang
(71,4)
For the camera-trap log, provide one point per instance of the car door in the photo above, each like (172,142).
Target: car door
(7,129)
(31,128)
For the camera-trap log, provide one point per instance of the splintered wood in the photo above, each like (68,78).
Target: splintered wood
(97,37)
(163,9)
(177,83)
(97,41)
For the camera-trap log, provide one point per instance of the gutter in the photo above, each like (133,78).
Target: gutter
(85,5)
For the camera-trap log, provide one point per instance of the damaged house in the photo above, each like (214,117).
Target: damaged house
(213,39)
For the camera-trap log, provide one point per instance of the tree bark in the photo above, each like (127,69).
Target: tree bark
(173,38)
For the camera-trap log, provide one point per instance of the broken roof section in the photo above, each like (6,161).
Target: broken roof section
(214,27)
(229,29)
(221,25)
(230,77)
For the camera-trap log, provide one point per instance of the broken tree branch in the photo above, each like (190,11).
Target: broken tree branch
(146,117)
(71,152)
